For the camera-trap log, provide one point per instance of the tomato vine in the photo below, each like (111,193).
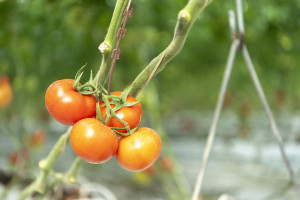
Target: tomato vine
(111,103)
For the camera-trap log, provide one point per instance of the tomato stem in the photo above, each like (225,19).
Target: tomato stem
(121,34)
(186,18)
(71,174)
(46,165)
(110,41)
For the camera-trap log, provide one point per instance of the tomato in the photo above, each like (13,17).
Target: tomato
(131,114)
(38,138)
(67,105)
(14,158)
(19,157)
(139,150)
(6,93)
(167,163)
(93,141)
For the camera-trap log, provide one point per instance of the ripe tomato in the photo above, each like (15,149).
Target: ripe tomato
(139,150)
(38,138)
(67,105)
(14,158)
(6,93)
(167,163)
(131,114)
(19,157)
(93,141)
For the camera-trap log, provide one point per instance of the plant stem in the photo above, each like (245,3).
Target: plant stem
(110,42)
(46,166)
(71,175)
(59,179)
(186,19)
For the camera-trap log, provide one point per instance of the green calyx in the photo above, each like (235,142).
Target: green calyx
(118,102)
(87,88)
(112,102)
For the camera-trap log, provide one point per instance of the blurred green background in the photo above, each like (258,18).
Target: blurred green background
(45,40)
(42,41)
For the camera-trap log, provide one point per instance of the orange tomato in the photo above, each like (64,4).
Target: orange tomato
(131,114)
(19,157)
(14,158)
(6,93)
(167,163)
(139,150)
(37,138)
(93,141)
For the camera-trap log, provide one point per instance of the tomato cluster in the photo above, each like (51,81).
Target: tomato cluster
(96,140)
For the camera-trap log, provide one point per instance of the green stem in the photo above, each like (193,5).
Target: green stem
(46,166)
(110,42)
(186,19)
(71,175)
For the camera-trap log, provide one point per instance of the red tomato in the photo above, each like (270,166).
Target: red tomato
(6,93)
(167,163)
(67,105)
(37,138)
(132,114)
(139,150)
(93,141)
(19,157)
(14,158)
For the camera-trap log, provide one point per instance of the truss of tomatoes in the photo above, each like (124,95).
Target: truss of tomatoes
(103,128)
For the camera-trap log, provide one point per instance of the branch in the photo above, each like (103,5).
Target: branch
(186,19)
(46,166)
(110,42)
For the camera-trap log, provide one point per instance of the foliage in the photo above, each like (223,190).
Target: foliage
(42,41)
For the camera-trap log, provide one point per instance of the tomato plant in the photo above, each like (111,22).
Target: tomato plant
(67,105)
(139,150)
(6,93)
(93,141)
(130,114)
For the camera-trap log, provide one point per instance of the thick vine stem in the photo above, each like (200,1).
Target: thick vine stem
(46,166)
(110,42)
(186,19)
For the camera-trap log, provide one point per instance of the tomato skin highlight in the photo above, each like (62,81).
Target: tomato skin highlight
(140,150)
(67,105)
(131,114)
(6,93)
(93,141)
